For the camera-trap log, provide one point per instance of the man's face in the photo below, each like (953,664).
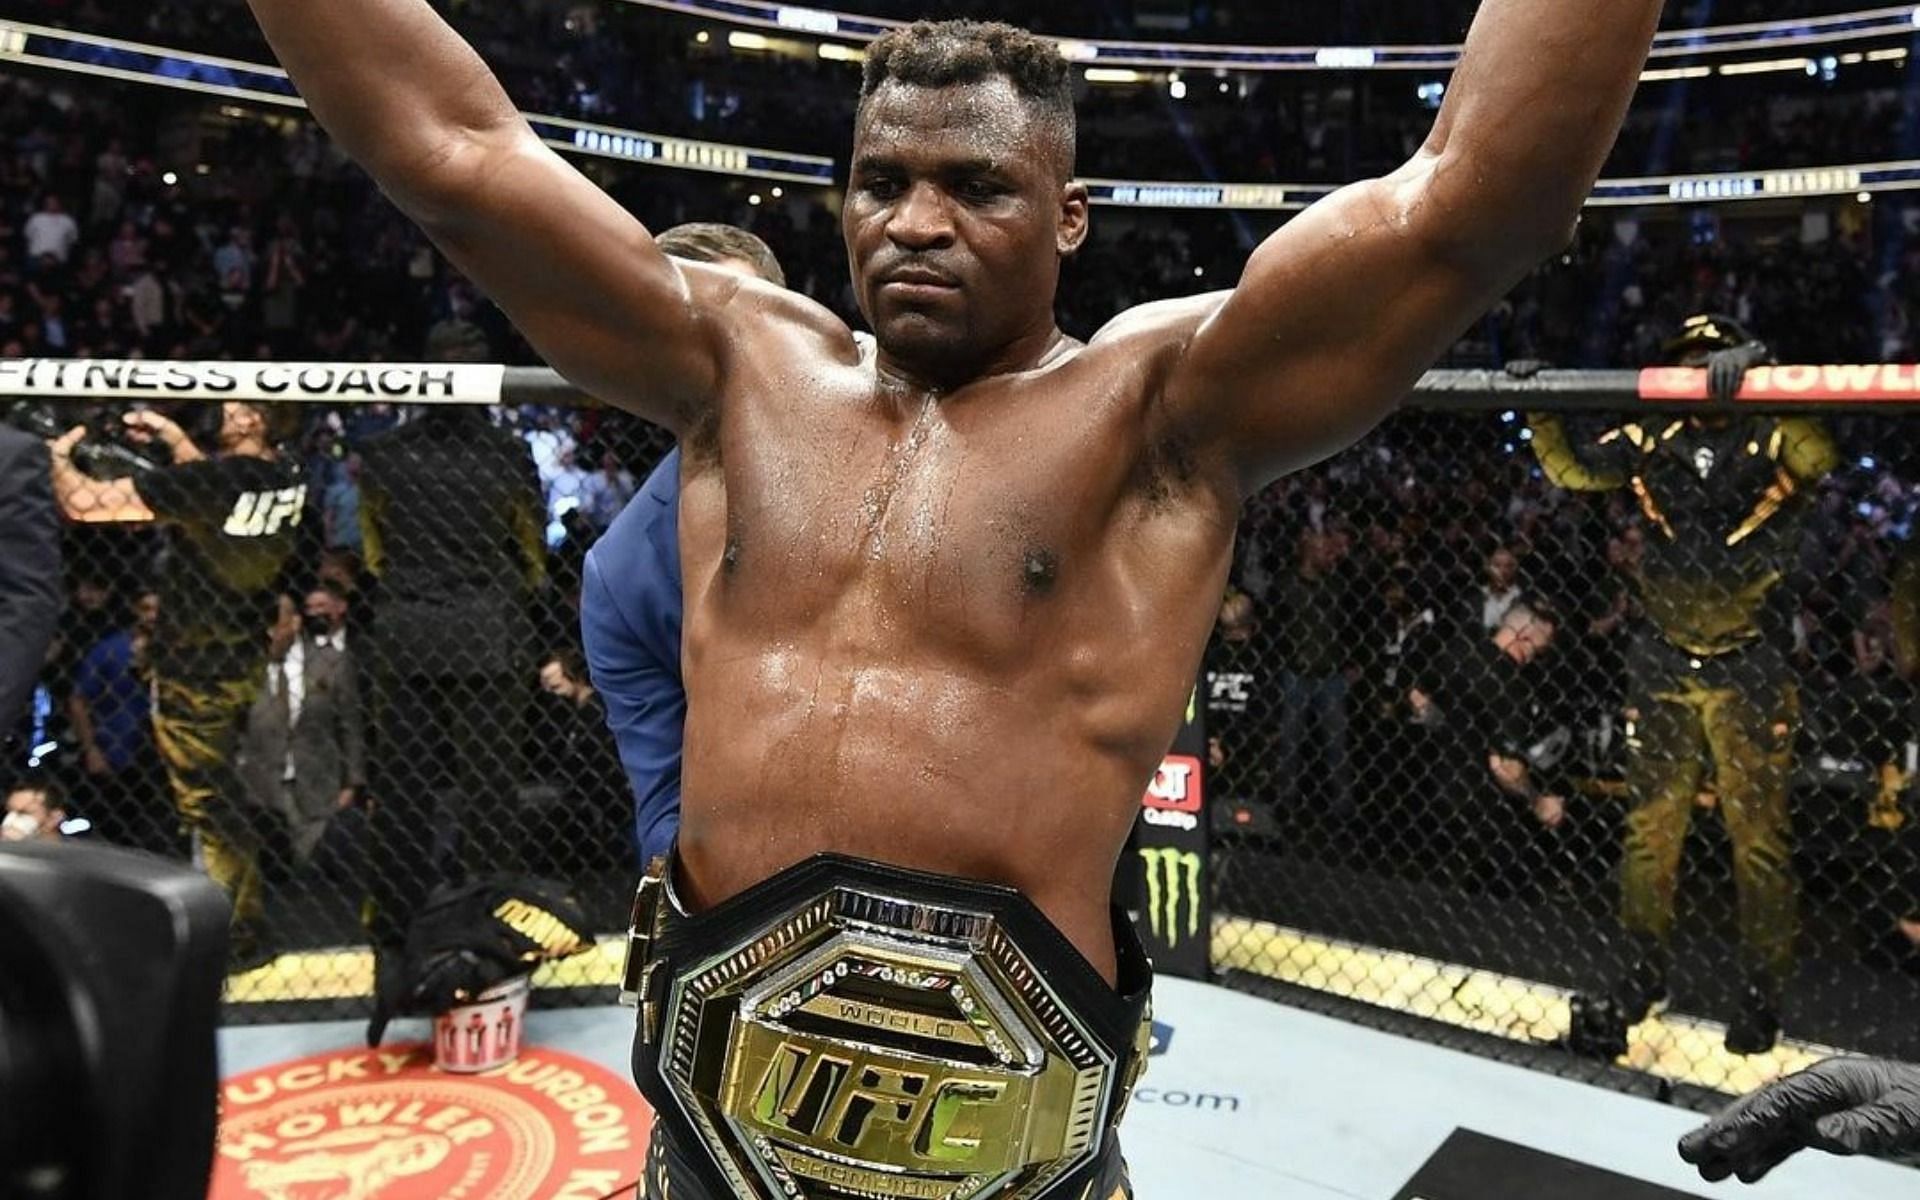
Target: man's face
(238,422)
(553,679)
(323,610)
(956,219)
(1502,569)
(1626,551)
(1532,639)
(1318,551)
(28,816)
(1236,618)
(146,612)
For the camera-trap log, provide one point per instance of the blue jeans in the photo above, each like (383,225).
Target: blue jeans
(1326,698)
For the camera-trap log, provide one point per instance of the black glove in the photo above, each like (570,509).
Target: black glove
(1525,368)
(467,939)
(1727,369)
(1843,1106)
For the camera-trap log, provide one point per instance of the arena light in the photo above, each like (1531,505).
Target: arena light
(1346,58)
(1113,75)
(807,20)
(1765,65)
(1894,55)
(835,52)
(741,40)
(1666,74)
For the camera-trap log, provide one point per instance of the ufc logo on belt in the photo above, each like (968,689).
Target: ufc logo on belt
(839,1099)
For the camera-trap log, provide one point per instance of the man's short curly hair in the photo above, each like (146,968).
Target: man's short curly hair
(701,241)
(937,54)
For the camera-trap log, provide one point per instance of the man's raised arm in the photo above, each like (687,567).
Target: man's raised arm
(411,102)
(1341,310)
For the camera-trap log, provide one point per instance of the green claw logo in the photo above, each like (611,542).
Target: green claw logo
(1165,869)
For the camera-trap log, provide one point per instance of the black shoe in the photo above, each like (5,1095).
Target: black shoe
(1600,1022)
(1756,1028)
(1598,1029)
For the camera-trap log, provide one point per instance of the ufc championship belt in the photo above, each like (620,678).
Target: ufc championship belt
(847,1029)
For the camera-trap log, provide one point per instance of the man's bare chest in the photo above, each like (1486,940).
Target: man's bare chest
(917,498)
(995,498)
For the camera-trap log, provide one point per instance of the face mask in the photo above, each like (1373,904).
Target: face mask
(19,826)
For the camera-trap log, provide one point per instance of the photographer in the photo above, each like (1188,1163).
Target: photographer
(233,516)
(1488,706)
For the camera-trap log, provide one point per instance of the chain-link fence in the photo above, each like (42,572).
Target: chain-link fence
(1593,731)
(340,673)
(1534,727)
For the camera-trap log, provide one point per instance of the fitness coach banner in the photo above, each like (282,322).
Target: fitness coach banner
(113,379)
(1176,920)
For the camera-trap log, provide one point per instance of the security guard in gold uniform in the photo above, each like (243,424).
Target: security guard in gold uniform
(1707,680)
(234,515)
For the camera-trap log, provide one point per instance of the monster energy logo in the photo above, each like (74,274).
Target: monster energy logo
(1165,868)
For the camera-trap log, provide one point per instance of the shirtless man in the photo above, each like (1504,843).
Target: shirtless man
(946,602)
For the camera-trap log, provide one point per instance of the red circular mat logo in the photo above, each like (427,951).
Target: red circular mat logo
(384,1125)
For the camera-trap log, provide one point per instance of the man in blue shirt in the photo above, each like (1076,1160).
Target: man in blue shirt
(630,599)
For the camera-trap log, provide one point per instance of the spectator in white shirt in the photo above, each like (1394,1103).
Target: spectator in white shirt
(547,440)
(1502,589)
(52,232)
(233,263)
(567,489)
(606,492)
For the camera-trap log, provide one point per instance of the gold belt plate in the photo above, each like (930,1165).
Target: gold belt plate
(874,1046)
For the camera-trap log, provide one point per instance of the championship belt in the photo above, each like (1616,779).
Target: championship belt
(847,1029)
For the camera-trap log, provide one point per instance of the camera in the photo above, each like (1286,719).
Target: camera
(105,453)
(111,965)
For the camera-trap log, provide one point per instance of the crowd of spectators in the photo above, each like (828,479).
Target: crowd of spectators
(640,68)
(1346,22)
